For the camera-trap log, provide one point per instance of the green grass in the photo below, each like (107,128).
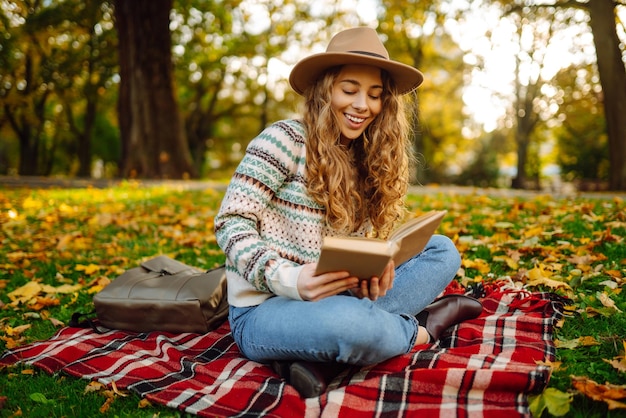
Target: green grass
(81,236)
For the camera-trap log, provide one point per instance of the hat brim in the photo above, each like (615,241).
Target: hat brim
(307,70)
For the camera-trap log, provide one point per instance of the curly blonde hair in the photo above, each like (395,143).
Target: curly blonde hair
(366,180)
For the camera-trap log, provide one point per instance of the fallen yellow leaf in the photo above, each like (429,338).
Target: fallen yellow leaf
(551,283)
(588,341)
(25,293)
(510,262)
(116,390)
(66,288)
(576,342)
(16,331)
(144,403)
(607,393)
(106,406)
(478,264)
(554,365)
(94,387)
(89,269)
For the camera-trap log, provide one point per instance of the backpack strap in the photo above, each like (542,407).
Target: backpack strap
(87,322)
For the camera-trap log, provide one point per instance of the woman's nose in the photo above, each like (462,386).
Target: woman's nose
(359,103)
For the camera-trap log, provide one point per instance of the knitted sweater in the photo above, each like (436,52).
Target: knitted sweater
(268,226)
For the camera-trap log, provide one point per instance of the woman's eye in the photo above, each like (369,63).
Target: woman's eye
(349,93)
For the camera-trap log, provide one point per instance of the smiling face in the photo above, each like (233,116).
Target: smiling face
(356,99)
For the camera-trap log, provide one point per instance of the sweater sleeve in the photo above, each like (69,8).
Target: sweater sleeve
(264,168)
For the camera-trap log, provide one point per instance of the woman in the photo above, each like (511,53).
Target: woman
(341,170)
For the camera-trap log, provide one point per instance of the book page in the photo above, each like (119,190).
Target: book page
(413,236)
(412,224)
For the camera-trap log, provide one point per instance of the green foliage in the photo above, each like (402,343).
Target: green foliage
(223,59)
(59,82)
(557,403)
(105,141)
(438,105)
(58,62)
(483,170)
(582,138)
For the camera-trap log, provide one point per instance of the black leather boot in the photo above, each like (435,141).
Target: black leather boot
(310,379)
(447,311)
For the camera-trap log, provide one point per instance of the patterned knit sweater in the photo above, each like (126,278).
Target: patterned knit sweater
(268,226)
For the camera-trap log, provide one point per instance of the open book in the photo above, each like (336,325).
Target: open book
(368,257)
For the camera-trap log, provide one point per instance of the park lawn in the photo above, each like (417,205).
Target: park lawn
(60,246)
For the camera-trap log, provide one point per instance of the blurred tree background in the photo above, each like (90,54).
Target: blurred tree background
(515,92)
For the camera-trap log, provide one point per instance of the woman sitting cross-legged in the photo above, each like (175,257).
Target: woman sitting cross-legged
(342,169)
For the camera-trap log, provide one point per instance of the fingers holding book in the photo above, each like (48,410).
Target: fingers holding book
(312,287)
(376,287)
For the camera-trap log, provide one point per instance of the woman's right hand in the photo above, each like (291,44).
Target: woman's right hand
(314,288)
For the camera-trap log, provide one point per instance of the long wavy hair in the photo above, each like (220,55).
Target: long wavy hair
(366,180)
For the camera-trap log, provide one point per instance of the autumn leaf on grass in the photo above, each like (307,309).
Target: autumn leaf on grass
(608,393)
(94,387)
(16,331)
(31,292)
(606,300)
(144,403)
(619,362)
(110,395)
(41,302)
(98,284)
(581,260)
(24,293)
(591,312)
(510,262)
(11,342)
(556,402)
(576,342)
(106,405)
(478,264)
(63,289)
(541,276)
(13,335)
(89,269)
(116,390)
(554,365)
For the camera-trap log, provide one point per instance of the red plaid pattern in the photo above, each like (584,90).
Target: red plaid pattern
(482,368)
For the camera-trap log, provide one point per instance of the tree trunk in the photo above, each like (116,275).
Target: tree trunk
(613,82)
(29,150)
(154,144)
(84,138)
(27,121)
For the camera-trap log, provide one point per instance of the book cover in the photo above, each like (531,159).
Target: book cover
(367,257)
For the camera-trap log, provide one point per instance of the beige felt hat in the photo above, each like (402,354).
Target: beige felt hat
(359,45)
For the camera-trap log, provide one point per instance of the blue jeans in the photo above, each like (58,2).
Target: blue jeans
(344,328)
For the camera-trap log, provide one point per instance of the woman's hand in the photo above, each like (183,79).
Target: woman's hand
(376,287)
(313,287)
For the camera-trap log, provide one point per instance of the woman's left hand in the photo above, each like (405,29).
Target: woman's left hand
(376,286)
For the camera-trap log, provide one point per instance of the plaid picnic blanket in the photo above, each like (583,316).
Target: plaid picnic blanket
(485,367)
